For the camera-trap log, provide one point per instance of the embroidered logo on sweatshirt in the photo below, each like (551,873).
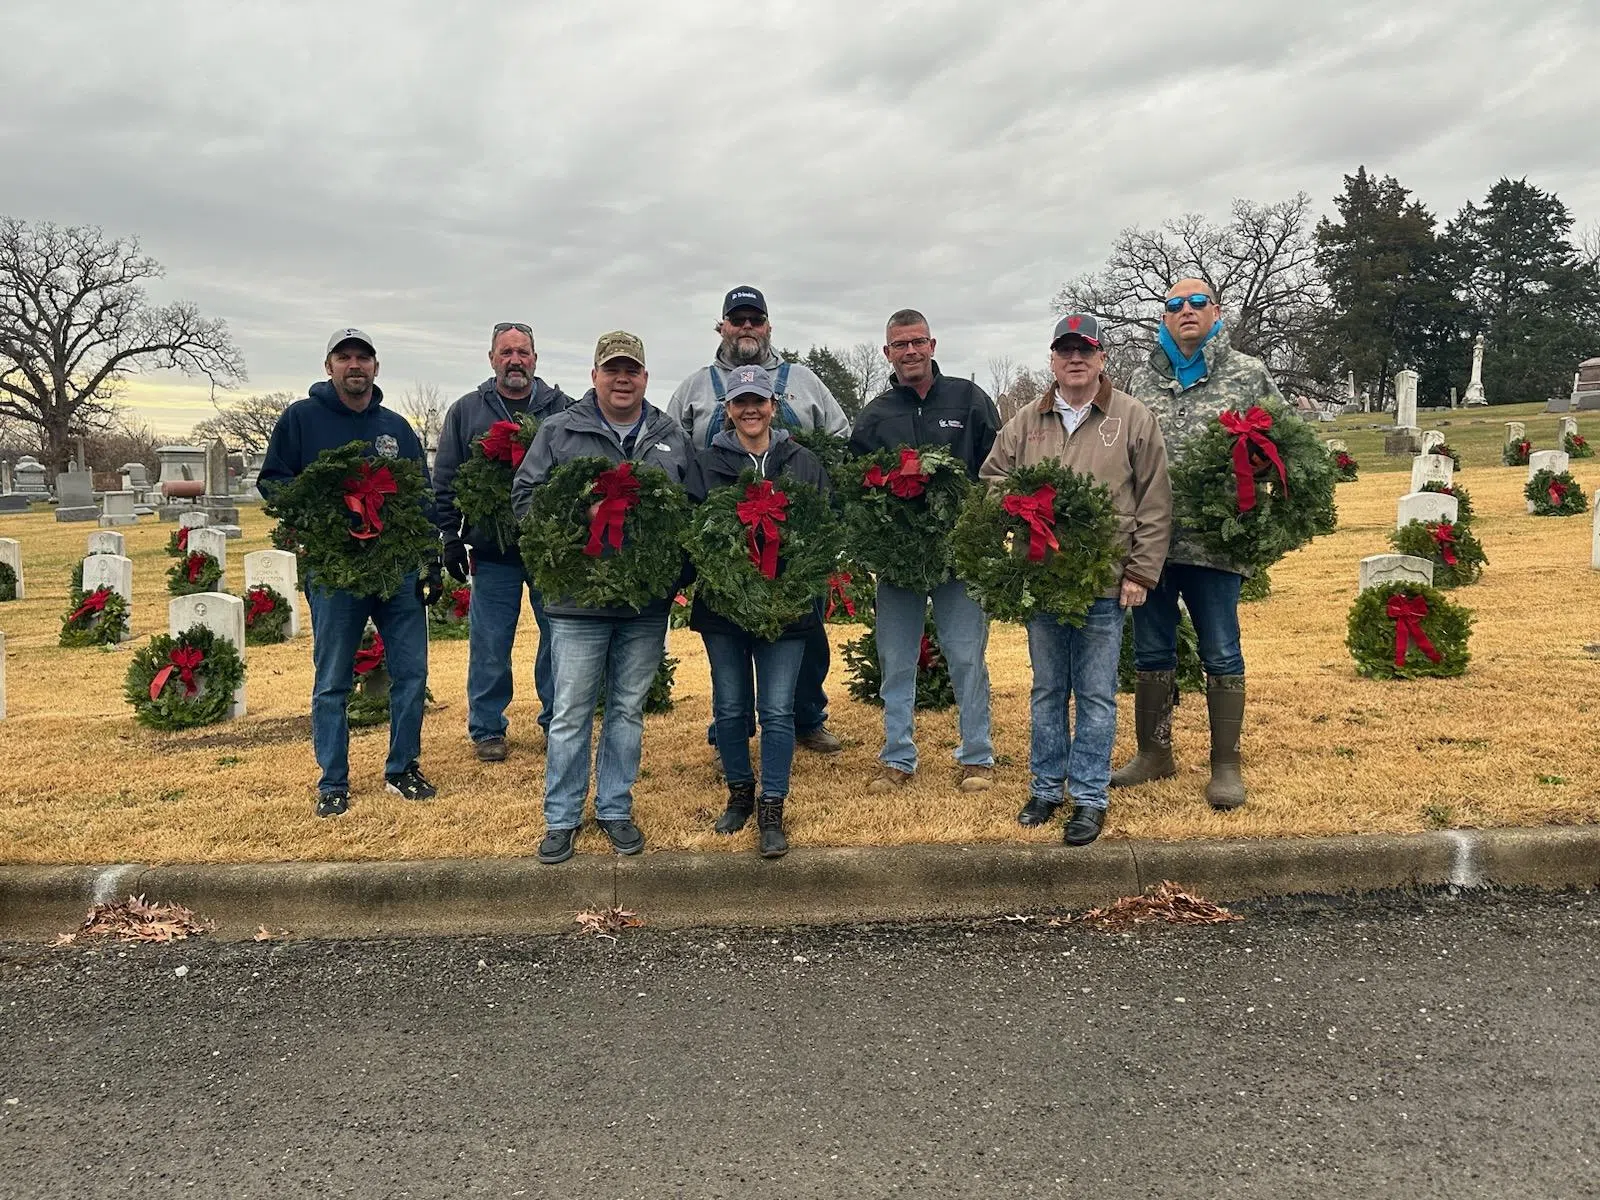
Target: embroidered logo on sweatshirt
(386,446)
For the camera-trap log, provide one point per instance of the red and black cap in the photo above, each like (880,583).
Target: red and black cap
(1077,325)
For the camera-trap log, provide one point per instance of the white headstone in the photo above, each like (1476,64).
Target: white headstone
(1425,468)
(278,570)
(223,615)
(11,555)
(1338,445)
(1405,399)
(1432,439)
(107,541)
(1395,568)
(117,509)
(1565,426)
(1426,506)
(1554,461)
(210,541)
(28,478)
(192,520)
(112,571)
(1515,432)
(2,677)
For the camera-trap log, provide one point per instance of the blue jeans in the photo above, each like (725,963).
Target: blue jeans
(496,608)
(751,676)
(810,701)
(591,655)
(1078,663)
(1212,598)
(964,637)
(338,620)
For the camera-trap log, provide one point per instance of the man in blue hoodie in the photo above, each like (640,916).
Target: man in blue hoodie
(349,408)
(498,578)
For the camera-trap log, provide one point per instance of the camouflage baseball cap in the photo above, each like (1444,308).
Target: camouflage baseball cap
(1078,325)
(618,344)
(749,381)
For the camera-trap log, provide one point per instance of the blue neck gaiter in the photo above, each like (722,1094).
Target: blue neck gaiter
(1188,369)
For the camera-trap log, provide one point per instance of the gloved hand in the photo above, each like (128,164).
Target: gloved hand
(456,560)
(430,583)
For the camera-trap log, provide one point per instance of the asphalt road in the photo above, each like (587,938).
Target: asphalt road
(1395,1047)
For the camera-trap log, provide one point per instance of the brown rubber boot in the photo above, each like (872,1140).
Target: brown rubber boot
(1225,706)
(1152,723)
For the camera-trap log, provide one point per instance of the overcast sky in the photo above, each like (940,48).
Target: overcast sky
(423,170)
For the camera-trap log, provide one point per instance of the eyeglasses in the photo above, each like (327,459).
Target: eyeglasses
(1198,302)
(753,322)
(517,325)
(910,344)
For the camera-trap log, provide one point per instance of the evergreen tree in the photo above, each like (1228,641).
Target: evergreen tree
(836,377)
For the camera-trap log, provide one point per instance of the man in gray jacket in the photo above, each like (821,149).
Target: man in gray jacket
(617,650)
(804,403)
(498,578)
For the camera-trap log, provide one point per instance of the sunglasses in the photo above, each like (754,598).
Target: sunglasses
(755,322)
(1198,302)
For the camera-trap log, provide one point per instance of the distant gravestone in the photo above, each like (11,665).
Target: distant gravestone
(28,478)
(135,475)
(1405,400)
(75,493)
(213,542)
(1432,439)
(193,520)
(217,503)
(118,509)
(278,570)
(5,477)
(1431,468)
(1338,446)
(1425,507)
(229,531)
(1475,397)
(223,615)
(107,541)
(1378,569)
(1554,461)
(10,501)
(1516,431)
(1565,426)
(114,571)
(11,555)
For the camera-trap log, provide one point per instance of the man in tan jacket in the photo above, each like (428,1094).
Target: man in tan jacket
(1091,428)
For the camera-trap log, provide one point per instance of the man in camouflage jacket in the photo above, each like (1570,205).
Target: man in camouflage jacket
(1191,376)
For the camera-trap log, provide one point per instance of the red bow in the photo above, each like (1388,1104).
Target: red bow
(94,602)
(370,658)
(1344,460)
(1249,430)
(1444,536)
(927,657)
(838,582)
(1407,612)
(763,507)
(184,660)
(1524,448)
(183,538)
(618,491)
(501,444)
(1039,511)
(907,480)
(195,563)
(363,495)
(461,603)
(1558,494)
(261,603)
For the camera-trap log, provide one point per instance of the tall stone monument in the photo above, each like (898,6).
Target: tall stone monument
(1585,386)
(75,494)
(217,503)
(1406,439)
(1475,397)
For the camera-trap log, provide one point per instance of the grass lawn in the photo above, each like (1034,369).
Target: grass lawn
(1478,434)
(1325,751)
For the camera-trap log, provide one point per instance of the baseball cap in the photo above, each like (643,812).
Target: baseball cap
(750,381)
(618,344)
(744,296)
(341,336)
(1078,325)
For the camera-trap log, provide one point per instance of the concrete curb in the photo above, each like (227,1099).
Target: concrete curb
(677,890)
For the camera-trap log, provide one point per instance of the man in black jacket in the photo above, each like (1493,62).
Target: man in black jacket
(498,578)
(925,408)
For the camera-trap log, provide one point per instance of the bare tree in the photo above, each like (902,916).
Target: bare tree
(1589,245)
(126,440)
(1002,370)
(423,405)
(1261,265)
(1026,388)
(75,320)
(246,425)
(868,369)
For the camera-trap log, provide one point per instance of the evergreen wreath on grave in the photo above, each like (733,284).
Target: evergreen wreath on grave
(1463,499)
(1455,551)
(483,484)
(368,702)
(1346,469)
(852,596)
(899,507)
(935,691)
(658,699)
(196,571)
(1577,446)
(1516,453)
(266,616)
(763,551)
(1191,676)
(97,618)
(183,682)
(178,542)
(1408,631)
(1257,586)
(361,521)
(1452,454)
(1255,485)
(626,555)
(8,580)
(450,616)
(1044,544)
(1555,494)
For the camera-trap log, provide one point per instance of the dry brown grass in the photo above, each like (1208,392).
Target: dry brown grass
(1326,752)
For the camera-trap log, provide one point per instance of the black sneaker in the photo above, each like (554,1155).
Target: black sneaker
(332,804)
(410,784)
(626,837)
(557,846)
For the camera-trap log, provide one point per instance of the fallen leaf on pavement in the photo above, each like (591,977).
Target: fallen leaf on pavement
(263,934)
(1165,902)
(608,922)
(137,920)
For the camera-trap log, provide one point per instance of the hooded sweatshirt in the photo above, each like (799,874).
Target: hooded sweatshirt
(806,402)
(469,418)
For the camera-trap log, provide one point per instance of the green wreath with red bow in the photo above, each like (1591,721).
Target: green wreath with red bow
(1576,445)
(1453,549)
(483,483)
(266,616)
(1516,453)
(1254,485)
(450,616)
(852,596)
(1408,631)
(899,508)
(625,554)
(183,682)
(178,542)
(196,571)
(763,551)
(935,691)
(1044,543)
(359,522)
(1345,467)
(97,618)
(1463,499)
(1555,494)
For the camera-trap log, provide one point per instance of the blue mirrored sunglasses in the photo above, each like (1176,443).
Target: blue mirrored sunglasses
(1197,302)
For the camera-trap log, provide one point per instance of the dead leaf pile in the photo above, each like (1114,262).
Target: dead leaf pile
(137,920)
(608,922)
(1165,903)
